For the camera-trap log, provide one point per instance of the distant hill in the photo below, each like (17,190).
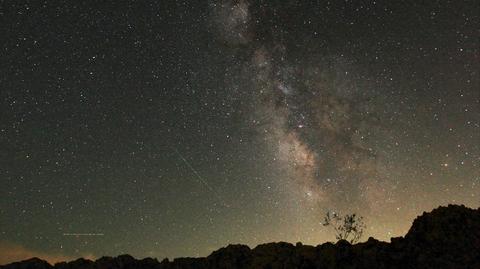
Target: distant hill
(447,237)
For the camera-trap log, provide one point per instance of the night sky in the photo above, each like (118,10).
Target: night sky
(173,128)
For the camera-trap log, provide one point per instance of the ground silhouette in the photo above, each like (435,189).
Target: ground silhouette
(447,237)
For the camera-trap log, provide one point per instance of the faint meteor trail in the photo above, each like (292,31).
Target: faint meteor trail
(83,234)
(200,178)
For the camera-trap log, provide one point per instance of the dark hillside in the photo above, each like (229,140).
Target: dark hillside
(447,237)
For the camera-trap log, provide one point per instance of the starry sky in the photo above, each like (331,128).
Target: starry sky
(173,128)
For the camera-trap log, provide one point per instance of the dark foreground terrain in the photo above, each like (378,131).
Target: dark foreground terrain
(447,237)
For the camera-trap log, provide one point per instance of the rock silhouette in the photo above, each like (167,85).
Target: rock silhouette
(447,237)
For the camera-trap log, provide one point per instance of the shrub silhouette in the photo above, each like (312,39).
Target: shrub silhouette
(349,228)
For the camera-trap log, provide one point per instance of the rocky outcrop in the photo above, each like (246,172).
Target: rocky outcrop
(33,263)
(447,237)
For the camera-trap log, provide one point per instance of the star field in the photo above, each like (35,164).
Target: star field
(173,128)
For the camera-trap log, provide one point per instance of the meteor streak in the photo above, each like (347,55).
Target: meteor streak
(83,234)
(200,178)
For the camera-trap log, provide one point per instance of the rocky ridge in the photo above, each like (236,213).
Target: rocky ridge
(447,237)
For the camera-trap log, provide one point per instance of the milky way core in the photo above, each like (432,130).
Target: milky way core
(174,128)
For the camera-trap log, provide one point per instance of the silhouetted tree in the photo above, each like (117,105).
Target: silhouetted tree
(349,227)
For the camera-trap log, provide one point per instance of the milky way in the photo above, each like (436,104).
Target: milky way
(174,128)
(316,110)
